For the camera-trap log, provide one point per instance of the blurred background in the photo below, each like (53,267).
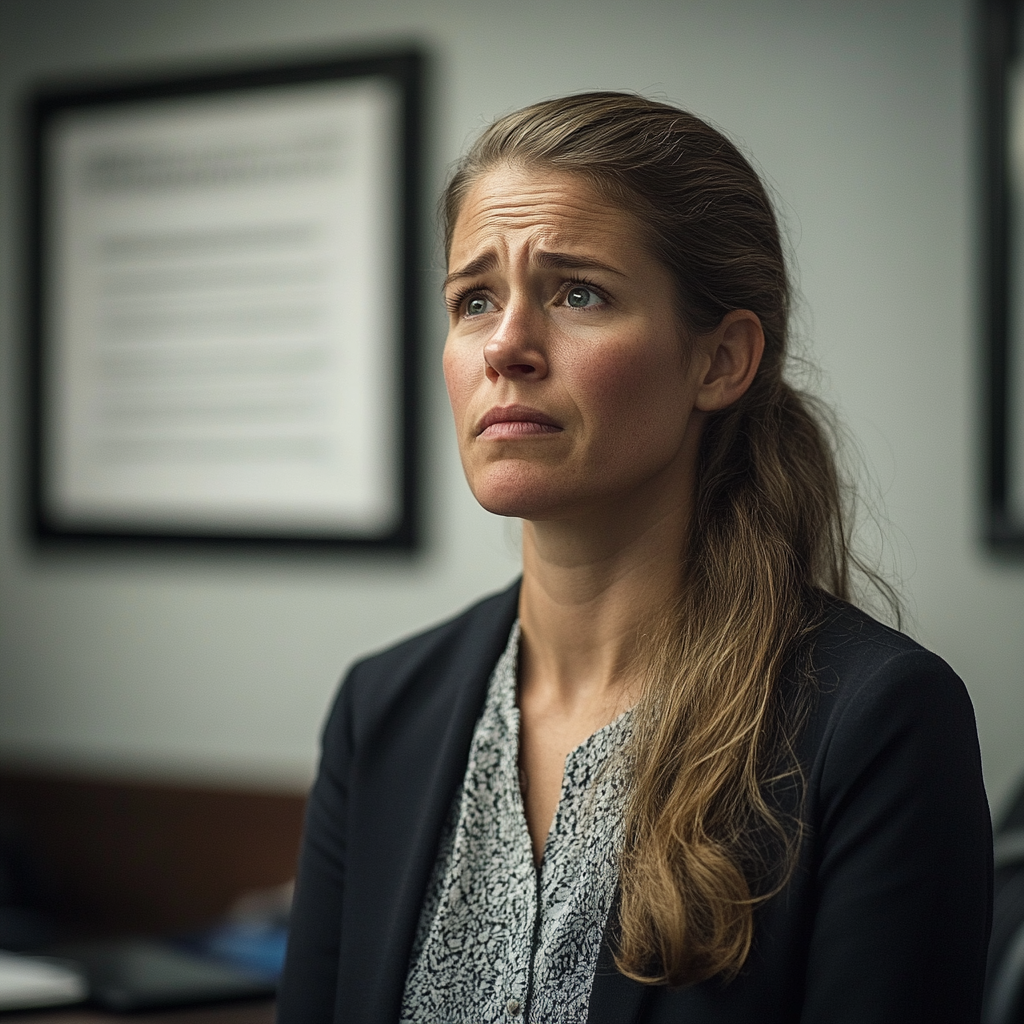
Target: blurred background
(212,671)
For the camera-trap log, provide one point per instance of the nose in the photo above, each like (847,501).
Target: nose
(516,350)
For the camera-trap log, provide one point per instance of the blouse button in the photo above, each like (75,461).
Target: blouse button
(513,1006)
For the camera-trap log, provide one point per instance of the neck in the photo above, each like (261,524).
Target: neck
(591,592)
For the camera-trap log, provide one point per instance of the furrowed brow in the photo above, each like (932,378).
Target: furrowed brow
(484,262)
(573,261)
(549,259)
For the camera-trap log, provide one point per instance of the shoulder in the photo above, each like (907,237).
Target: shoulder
(458,652)
(850,645)
(857,659)
(880,694)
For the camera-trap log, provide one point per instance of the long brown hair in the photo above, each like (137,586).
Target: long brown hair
(713,736)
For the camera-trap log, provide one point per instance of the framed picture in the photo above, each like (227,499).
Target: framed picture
(1003,270)
(223,306)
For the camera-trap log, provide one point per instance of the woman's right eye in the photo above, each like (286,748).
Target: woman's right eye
(477,304)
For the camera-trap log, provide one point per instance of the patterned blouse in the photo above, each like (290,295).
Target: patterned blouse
(499,939)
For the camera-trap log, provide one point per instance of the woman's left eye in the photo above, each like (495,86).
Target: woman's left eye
(580,296)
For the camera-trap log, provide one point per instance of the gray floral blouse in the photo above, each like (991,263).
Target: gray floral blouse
(499,939)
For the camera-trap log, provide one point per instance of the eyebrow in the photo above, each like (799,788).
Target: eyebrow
(482,263)
(551,260)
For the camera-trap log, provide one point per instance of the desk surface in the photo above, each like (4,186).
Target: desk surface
(233,1013)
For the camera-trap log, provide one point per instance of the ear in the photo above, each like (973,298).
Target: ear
(732,354)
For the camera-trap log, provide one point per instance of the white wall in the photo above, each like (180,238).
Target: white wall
(860,115)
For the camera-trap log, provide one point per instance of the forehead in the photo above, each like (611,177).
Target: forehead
(512,210)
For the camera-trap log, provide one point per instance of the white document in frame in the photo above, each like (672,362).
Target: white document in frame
(224,319)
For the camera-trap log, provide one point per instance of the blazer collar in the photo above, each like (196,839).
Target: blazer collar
(413,765)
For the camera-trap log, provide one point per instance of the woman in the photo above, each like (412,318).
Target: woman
(671,775)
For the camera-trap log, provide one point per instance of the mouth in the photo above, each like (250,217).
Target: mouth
(509,421)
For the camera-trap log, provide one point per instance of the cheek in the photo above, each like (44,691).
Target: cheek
(456,378)
(641,381)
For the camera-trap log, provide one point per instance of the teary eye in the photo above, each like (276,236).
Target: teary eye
(579,297)
(477,305)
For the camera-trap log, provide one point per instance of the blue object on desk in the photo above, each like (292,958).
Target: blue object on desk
(255,946)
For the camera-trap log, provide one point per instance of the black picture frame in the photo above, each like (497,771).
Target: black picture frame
(1002,305)
(398,75)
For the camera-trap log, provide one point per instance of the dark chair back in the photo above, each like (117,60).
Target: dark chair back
(1004,985)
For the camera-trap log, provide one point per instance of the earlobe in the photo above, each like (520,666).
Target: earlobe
(734,349)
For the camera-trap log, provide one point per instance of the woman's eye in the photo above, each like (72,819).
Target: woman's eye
(476,305)
(579,297)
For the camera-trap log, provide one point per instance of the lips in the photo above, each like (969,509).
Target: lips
(507,421)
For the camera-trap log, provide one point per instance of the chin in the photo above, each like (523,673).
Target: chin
(518,494)
(516,505)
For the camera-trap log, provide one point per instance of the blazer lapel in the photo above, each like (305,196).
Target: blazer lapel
(402,788)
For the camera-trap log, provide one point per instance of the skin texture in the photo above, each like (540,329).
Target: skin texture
(579,399)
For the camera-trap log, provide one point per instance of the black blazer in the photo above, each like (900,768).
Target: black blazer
(885,920)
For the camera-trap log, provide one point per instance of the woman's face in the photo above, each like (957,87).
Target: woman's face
(566,364)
